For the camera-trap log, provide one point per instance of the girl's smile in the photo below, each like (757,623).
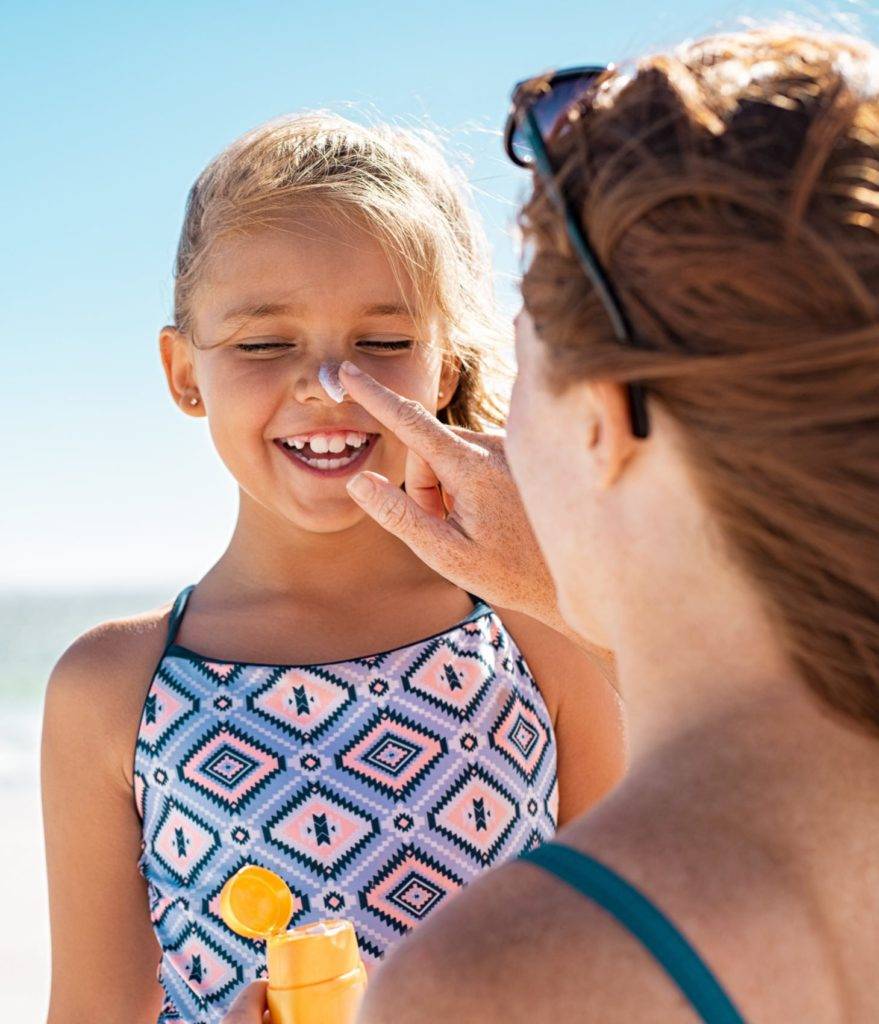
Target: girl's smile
(329,453)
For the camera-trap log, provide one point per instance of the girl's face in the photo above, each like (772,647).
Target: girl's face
(273,307)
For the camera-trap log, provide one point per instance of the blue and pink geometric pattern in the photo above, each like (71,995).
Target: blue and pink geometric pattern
(376,787)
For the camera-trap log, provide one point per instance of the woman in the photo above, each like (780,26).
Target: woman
(715,524)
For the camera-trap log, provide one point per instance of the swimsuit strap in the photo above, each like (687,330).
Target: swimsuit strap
(177,611)
(646,923)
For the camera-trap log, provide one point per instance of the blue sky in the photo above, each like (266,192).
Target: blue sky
(110,111)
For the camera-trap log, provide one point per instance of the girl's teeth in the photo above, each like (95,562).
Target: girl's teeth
(330,463)
(323,444)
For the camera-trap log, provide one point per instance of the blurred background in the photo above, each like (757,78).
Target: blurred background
(112,500)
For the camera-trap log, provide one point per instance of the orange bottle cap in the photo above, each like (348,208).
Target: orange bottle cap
(256,903)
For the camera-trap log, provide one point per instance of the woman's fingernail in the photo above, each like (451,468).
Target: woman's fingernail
(349,367)
(360,487)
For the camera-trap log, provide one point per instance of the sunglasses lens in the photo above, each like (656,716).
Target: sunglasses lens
(548,109)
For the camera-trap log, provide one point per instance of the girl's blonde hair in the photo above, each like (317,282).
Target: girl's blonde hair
(398,183)
(731,190)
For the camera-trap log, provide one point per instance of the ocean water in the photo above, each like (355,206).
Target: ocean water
(35,628)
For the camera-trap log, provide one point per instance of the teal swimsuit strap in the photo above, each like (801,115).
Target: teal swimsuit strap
(646,922)
(177,610)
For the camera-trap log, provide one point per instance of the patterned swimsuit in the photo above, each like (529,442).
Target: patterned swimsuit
(376,787)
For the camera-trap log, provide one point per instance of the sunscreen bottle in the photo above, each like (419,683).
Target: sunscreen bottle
(316,975)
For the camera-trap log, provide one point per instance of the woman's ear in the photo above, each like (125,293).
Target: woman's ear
(449,379)
(611,442)
(176,352)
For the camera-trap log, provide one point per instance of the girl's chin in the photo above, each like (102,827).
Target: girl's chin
(332,515)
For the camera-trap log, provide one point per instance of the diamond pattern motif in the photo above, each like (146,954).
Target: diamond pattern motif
(477,814)
(302,702)
(392,754)
(521,737)
(321,829)
(206,967)
(183,842)
(448,677)
(229,767)
(408,888)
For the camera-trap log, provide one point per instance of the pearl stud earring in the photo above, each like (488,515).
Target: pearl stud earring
(194,400)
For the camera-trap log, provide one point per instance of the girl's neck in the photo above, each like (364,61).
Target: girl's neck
(271,556)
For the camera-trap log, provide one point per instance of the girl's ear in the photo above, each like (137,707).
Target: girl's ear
(176,352)
(449,378)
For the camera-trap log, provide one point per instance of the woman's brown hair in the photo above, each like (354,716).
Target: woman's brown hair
(731,190)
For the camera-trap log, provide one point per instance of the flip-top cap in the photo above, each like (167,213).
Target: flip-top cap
(256,903)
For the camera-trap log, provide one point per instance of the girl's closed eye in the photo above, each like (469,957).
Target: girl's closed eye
(278,346)
(389,346)
(264,346)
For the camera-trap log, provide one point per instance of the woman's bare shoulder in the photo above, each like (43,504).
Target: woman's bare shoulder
(101,680)
(522,945)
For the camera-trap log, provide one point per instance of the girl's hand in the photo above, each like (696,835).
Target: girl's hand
(460,513)
(250,1007)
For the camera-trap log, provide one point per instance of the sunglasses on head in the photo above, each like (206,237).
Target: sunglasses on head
(539,107)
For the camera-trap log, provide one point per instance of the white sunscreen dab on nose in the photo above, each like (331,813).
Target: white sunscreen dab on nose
(328,375)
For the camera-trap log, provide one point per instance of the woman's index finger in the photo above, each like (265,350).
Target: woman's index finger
(409,421)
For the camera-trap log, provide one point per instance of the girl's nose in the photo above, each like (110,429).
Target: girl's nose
(320,380)
(328,375)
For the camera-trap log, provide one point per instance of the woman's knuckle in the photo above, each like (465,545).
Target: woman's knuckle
(411,413)
(392,512)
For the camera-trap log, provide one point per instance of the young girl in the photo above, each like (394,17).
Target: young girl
(321,703)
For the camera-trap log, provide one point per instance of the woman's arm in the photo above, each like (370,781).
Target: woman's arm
(576,683)
(104,951)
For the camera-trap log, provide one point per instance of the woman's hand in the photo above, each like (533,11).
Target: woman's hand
(250,1007)
(460,513)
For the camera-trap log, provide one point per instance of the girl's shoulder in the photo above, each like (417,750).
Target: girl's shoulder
(578,673)
(99,683)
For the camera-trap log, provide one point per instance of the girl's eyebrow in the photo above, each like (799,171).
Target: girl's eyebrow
(386,309)
(262,310)
(256,311)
